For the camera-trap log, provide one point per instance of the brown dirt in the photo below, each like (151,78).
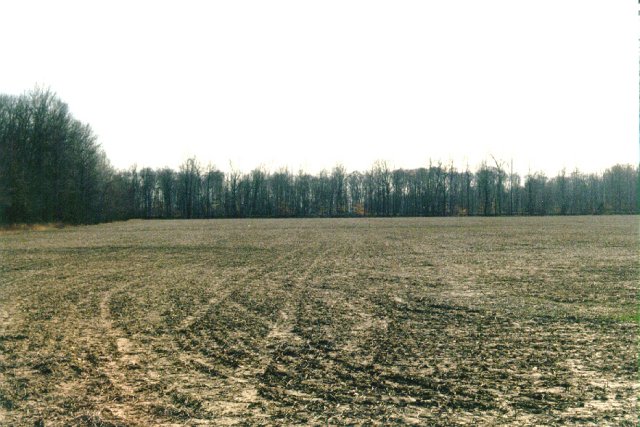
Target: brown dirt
(453,321)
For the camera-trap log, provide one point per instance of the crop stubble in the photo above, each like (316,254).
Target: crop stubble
(338,321)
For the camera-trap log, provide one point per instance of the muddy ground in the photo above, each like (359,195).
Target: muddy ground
(453,321)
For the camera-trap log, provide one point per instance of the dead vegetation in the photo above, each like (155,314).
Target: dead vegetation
(31,227)
(527,321)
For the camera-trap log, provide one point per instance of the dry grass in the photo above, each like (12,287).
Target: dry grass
(455,321)
(31,227)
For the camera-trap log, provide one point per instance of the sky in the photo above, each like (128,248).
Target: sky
(309,84)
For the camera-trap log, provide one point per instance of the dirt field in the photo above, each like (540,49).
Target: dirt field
(455,321)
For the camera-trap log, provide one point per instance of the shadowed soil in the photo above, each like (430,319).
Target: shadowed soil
(453,321)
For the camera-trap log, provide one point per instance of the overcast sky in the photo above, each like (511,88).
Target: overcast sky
(547,83)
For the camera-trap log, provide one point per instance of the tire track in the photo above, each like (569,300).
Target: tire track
(242,392)
(282,334)
(111,364)
(5,321)
(204,387)
(218,299)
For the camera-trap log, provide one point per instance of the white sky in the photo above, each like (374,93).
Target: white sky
(308,84)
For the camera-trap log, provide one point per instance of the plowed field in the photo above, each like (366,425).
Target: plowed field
(453,321)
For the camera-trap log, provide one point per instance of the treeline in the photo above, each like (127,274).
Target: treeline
(51,170)
(436,190)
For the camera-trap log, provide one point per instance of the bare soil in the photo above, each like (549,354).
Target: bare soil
(452,321)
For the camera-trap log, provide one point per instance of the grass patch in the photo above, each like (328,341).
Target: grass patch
(629,318)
